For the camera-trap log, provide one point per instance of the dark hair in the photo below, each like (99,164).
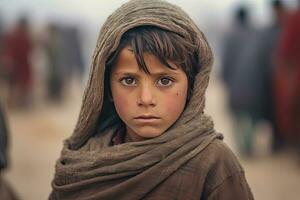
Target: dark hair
(164,45)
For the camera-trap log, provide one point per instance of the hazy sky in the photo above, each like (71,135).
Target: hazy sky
(93,9)
(96,10)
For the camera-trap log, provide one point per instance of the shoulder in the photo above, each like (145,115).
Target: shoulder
(219,155)
(225,173)
(217,162)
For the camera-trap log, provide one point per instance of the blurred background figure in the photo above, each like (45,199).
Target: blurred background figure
(263,59)
(5,69)
(233,43)
(3,75)
(6,192)
(235,46)
(73,58)
(65,64)
(251,89)
(257,65)
(55,72)
(18,47)
(287,80)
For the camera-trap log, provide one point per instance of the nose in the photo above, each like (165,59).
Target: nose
(146,96)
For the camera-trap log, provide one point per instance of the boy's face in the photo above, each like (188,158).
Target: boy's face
(147,104)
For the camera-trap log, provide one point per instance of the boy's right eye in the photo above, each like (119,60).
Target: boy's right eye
(128,81)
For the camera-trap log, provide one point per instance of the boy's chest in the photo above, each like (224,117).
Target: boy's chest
(186,183)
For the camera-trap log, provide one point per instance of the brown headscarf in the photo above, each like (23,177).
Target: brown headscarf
(89,167)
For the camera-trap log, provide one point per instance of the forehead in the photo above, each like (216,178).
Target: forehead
(126,61)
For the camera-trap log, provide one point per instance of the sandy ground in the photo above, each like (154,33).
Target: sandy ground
(37,135)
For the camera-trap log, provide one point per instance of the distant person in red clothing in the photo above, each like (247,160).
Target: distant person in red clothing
(17,51)
(287,79)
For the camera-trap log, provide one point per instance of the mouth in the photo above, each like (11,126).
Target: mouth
(147,119)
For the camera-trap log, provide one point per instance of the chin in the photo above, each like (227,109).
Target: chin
(149,133)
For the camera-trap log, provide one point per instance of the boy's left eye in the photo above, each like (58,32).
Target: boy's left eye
(165,82)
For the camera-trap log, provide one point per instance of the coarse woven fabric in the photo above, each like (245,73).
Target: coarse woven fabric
(89,167)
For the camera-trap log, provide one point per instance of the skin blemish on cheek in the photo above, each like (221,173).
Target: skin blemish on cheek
(177,94)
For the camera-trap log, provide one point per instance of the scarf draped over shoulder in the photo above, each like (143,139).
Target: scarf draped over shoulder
(89,167)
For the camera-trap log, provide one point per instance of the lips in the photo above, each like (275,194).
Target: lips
(147,119)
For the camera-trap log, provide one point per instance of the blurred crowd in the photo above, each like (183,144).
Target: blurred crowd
(59,46)
(261,71)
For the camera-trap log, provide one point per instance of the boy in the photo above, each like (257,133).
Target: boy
(142,132)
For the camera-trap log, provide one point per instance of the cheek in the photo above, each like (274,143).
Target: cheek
(175,102)
(122,103)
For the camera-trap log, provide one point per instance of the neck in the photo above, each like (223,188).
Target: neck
(131,137)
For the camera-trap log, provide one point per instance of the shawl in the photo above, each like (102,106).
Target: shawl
(89,167)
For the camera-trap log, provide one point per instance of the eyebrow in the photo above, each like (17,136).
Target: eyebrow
(152,74)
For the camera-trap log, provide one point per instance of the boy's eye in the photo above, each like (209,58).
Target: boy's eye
(128,81)
(165,82)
